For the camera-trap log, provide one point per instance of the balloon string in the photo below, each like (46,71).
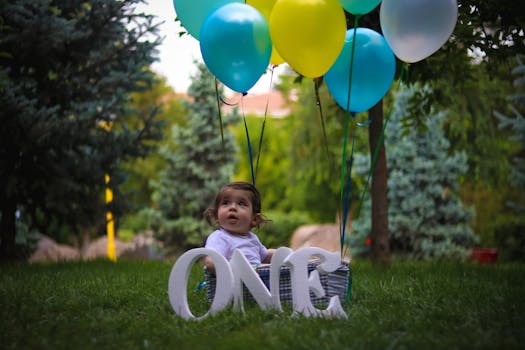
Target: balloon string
(343,163)
(250,153)
(264,124)
(320,107)
(372,166)
(351,70)
(347,194)
(220,115)
(349,288)
(403,74)
(342,228)
(331,164)
(232,104)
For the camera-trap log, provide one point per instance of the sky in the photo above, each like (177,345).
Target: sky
(177,54)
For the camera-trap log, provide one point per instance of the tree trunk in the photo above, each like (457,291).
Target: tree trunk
(7,230)
(380,253)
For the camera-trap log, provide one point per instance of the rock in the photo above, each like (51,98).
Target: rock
(98,248)
(145,246)
(49,250)
(326,236)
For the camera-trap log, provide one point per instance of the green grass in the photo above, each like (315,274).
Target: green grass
(101,305)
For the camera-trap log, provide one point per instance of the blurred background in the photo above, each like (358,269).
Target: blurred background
(114,96)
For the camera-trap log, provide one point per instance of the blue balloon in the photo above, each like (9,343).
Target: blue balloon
(192,13)
(373,71)
(236,45)
(359,7)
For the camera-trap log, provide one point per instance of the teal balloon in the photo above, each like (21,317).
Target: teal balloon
(192,13)
(236,46)
(373,71)
(359,7)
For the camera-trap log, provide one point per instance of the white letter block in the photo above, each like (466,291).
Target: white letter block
(243,272)
(301,284)
(278,258)
(230,279)
(178,281)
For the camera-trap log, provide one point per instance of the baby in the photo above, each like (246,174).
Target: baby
(236,210)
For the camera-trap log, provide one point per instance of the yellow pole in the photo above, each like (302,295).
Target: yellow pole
(110,224)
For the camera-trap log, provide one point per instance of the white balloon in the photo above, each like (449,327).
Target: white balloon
(415,29)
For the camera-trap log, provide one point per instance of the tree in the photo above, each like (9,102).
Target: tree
(272,173)
(140,171)
(510,235)
(67,68)
(314,158)
(426,218)
(198,164)
(517,125)
(492,29)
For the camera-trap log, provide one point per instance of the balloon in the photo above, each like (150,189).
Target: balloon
(192,13)
(373,70)
(308,34)
(359,7)
(415,29)
(236,46)
(265,7)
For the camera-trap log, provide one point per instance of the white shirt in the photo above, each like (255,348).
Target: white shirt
(225,243)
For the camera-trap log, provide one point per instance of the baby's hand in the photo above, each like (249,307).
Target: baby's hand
(268,258)
(209,264)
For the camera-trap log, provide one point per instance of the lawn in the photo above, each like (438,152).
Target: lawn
(124,305)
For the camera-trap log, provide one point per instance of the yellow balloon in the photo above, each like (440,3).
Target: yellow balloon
(275,58)
(308,34)
(265,8)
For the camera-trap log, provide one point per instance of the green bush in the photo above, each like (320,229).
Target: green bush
(279,230)
(26,240)
(426,218)
(510,240)
(143,220)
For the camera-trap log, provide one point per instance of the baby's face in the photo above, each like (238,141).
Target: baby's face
(235,212)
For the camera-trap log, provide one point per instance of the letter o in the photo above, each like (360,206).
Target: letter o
(178,281)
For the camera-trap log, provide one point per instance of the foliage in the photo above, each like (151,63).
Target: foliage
(299,169)
(490,206)
(510,240)
(487,32)
(510,235)
(103,305)
(26,239)
(470,77)
(272,174)
(313,157)
(145,219)
(198,164)
(141,171)
(67,69)
(278,232)
(316,160)
(517,125)
(471,127)
(426,217)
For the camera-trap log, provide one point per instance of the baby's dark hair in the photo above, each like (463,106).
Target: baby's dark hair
(210,214)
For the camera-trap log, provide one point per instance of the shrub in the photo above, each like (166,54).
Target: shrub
(278,232)
(510,239)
